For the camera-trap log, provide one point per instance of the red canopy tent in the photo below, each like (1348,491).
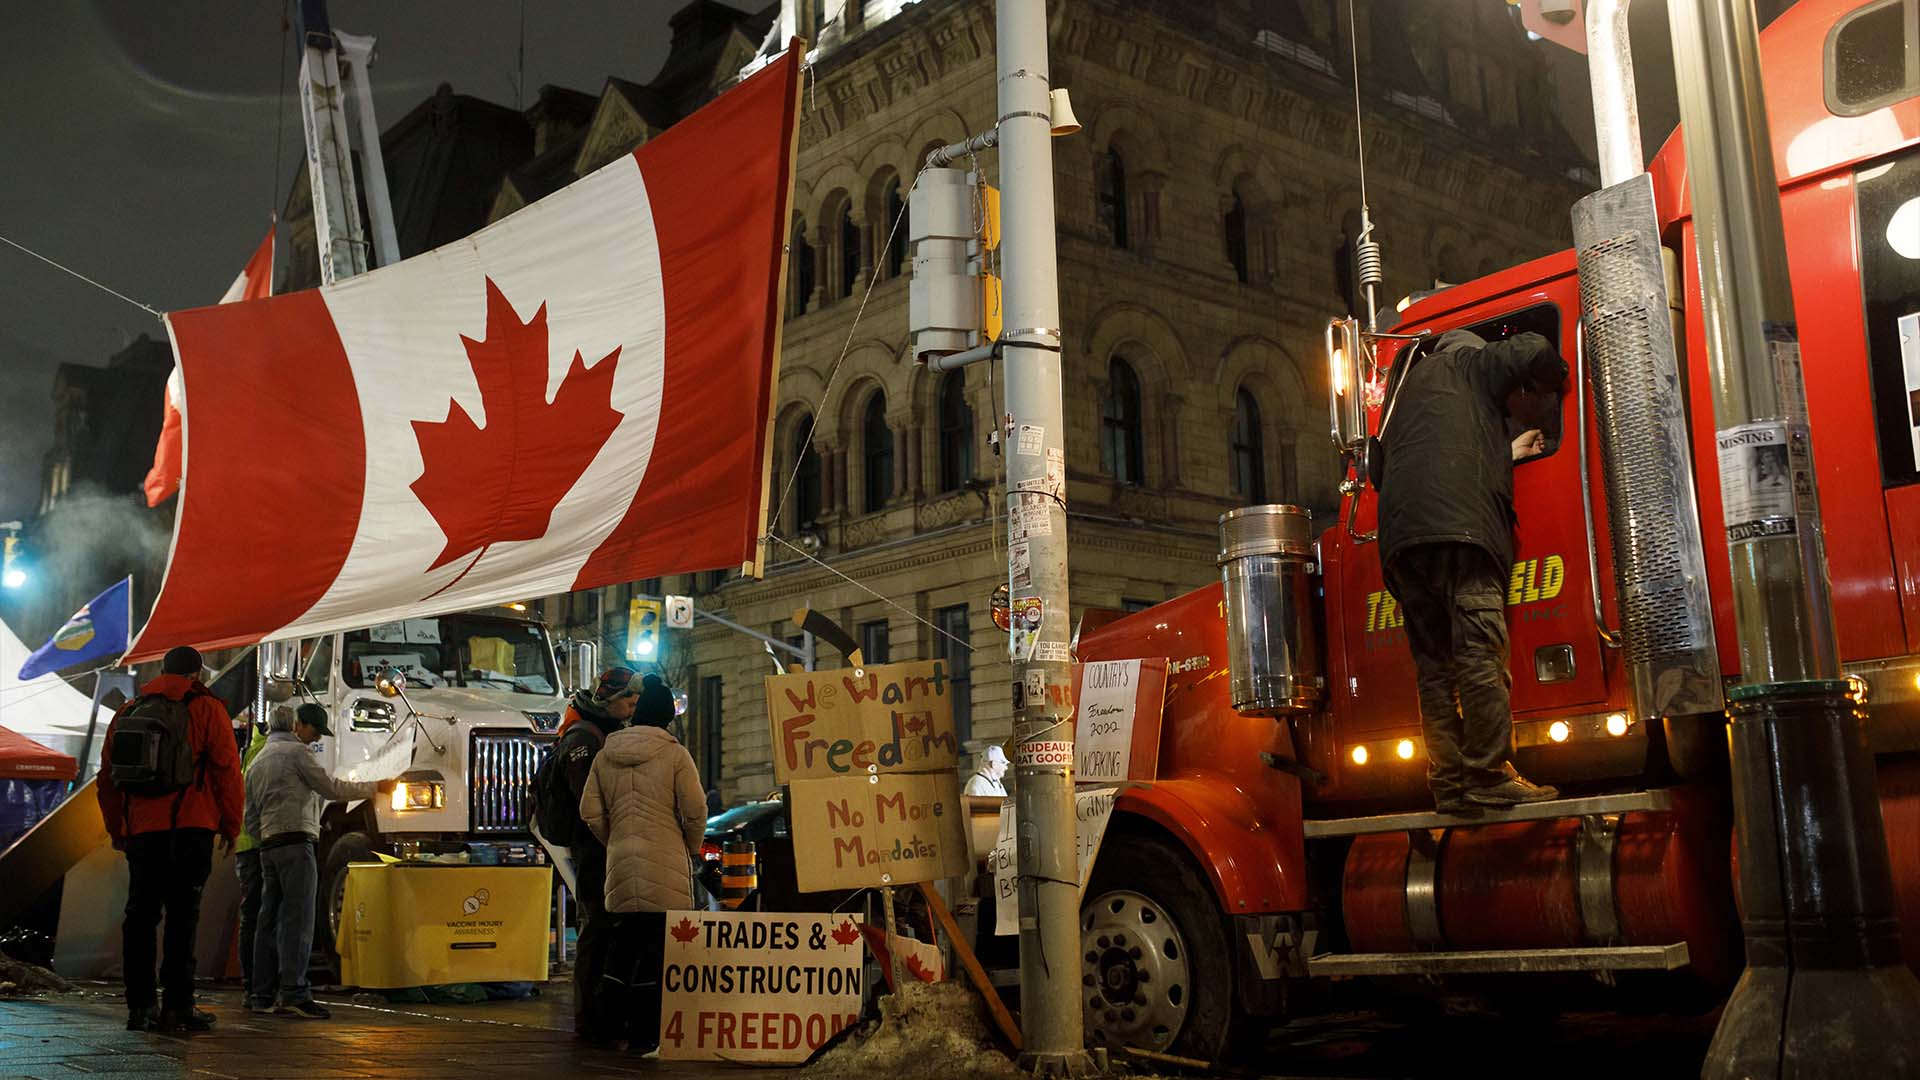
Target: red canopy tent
(23,759)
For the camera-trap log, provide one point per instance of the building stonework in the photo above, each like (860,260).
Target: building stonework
(1205,220)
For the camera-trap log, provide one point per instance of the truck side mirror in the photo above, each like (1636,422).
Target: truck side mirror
(1346,381)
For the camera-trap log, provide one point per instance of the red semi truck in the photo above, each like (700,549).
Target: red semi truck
(1286,844)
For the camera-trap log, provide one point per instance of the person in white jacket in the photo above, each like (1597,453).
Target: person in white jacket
(643,800)
(987,779)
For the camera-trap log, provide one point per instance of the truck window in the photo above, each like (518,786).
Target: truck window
(319,661)
(452,650)
(1542,319)
(1887,198)
(1873,57)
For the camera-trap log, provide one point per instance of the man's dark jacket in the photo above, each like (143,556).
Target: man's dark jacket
(577,748)
(1449,470)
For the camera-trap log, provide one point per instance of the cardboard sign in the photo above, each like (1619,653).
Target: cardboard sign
(1092,809)
(886,718)
(763,988)
(1117,720)
(877,829)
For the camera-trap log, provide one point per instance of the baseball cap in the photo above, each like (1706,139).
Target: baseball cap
(314,716)
(615,682)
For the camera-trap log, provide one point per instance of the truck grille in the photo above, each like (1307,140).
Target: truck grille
(504,762)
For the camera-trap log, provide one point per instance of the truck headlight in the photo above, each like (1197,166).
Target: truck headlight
(419,795)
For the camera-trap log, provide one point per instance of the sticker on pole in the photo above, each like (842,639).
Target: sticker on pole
(1045,755)
(1766,479)
(1028,613)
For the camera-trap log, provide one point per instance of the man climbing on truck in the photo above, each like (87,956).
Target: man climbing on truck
(1446,543)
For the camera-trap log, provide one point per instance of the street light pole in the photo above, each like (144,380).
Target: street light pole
(1816,887)
(1034,437)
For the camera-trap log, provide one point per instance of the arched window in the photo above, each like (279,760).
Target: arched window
(1112,187)
(877,452)
(1248,454)
(849,250)
(1120,450)
(1235,225)
(956,432)
(800,267)
(806,480)
(896,211)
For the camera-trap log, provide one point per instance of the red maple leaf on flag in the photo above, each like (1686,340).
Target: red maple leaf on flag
(919,968)
(845,933)
(485,485)
(684,930)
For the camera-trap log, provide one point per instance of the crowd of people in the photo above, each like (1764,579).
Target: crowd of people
(178,780)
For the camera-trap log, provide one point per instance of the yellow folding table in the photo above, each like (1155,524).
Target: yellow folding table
(427,924)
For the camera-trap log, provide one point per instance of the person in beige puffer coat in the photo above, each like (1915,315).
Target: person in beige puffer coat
(643,800)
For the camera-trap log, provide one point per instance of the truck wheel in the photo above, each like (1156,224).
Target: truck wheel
(347,848)
(1155,967)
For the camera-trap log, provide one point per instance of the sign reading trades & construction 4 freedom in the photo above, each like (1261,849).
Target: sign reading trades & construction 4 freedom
(763,988)
(869,755)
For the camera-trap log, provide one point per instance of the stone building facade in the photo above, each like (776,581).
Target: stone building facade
(1206,216)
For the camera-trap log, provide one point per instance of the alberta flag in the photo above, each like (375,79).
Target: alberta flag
(97,630)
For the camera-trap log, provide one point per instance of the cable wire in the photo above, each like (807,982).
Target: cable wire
(865,588)
(109,290)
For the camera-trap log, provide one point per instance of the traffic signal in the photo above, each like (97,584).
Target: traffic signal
(953,231)
(643,629)
(13,573)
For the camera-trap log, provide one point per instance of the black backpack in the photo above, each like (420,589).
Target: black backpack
(151,753)
(555,809)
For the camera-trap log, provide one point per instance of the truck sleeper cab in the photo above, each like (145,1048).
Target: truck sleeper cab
(1277,850)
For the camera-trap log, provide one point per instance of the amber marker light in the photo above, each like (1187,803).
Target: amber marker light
(1359,755)
(1617,724)
(1559,731)
(1405,749)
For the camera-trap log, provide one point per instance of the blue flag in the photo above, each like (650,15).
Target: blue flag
(96,630)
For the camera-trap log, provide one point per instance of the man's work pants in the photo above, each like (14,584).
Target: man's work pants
(246,865)
(283,944)
(590,957)
(166,872)
(1455,602)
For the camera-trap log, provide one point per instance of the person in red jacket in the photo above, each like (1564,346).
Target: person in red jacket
(169,842)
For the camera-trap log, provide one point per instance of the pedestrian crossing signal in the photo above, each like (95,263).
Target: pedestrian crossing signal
(643,629)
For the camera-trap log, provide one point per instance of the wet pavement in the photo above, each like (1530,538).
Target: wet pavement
(83,1034)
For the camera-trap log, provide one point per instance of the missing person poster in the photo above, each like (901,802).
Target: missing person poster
(762,988)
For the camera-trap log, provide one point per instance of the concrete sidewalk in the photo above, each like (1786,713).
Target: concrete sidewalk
(74,1035)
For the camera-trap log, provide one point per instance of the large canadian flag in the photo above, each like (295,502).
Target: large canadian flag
(255,281)
(575,396)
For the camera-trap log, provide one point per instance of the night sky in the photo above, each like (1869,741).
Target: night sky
(139,148)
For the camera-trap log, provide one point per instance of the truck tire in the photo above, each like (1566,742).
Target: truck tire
(346,848)
(1155,964)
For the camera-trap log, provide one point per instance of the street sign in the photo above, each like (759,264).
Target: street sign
(680,612)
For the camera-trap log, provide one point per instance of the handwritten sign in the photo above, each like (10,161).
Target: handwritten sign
(884,718)
(1103,735)
(877,829)
(1117,720)
(1092,809)
(748,987)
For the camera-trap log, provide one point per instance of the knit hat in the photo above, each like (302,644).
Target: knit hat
(181,660)
(613,683)
(655,707)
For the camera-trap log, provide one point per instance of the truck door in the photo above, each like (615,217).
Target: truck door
(1558,663)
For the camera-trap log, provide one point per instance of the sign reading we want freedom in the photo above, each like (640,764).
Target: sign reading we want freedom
(869,755)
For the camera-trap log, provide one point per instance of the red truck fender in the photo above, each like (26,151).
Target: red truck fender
(1254,866)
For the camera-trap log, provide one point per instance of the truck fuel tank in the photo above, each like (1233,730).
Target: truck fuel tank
(1266,561)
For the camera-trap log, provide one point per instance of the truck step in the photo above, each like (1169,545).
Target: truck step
(1496,961)
(1657,799)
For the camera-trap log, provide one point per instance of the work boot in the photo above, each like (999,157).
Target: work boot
(1512,791)
(184,1021)
(309,1009)
(141,1019)
(1455,804)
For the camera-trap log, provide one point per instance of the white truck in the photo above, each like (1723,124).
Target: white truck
(469,720)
